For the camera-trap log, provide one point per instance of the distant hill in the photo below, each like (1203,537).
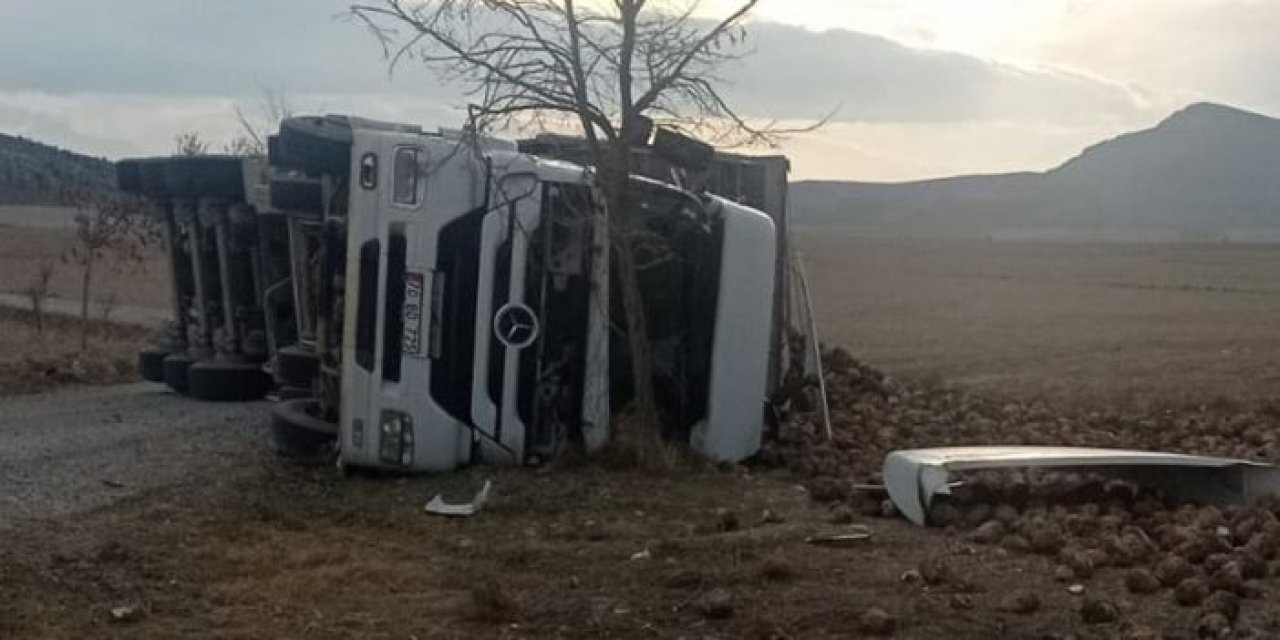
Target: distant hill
(35,173)
(1202,172)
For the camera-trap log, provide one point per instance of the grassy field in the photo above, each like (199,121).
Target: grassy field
(32,235)
(32,361)
(1134,325)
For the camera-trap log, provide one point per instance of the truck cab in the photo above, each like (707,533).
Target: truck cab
(475,327)
(467,306)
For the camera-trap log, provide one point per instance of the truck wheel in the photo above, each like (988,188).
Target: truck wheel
(296,366)
(314,145)
(151,364)
(205,177)
(220,381)
(298,433)
(175,371)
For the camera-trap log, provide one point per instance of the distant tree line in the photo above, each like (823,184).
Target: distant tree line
(35,173)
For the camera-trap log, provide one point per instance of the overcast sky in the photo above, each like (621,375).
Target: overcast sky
(926,88)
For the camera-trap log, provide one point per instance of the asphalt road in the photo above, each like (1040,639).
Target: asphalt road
(82,448)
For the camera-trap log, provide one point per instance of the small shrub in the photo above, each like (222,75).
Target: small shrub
(38,292)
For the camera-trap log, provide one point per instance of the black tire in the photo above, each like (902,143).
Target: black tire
(298,433)
(314,145)
(151,364)
(296,366)
(205,177)
(220,381)
(176,366)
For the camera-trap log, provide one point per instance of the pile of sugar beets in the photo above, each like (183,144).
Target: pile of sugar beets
(1199,555)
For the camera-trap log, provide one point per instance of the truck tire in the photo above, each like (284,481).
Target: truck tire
(298,433)
(175,371)
(151,364)
(296,366)
(314,145)
(220,381)
(197,177)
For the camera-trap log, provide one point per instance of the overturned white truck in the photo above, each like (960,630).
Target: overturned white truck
(451,300)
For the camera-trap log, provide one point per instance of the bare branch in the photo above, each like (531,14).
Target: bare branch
(691,53)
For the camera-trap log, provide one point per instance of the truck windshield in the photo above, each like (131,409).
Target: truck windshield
(677,255)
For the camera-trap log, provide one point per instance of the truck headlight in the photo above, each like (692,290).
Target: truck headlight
(395,441)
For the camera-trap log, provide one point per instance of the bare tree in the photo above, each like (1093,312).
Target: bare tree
(108,227)
(611,69)
(107,305)
(190,143)
(38,291)
(241,145)
(256,126)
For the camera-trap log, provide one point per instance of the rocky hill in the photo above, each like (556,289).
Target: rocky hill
(35,173)
(1203,171)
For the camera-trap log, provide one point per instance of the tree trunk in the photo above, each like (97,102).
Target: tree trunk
(644,402)
(37,309)
(84,303)
(624,226)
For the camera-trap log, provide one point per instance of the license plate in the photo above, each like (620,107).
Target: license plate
(414,286)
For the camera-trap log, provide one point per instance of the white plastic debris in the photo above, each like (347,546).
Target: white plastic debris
(123,614)
(641,555)
(915,477)
(857,536)
(437,506)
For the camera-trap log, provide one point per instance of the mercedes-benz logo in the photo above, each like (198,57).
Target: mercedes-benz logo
(515,325)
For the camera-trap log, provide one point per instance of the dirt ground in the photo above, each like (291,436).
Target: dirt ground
(1135,325)
(1072,344)
(578,553)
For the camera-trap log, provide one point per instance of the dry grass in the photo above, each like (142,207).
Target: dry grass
(31,362)
(634,445)
(23,246)
(1134,325)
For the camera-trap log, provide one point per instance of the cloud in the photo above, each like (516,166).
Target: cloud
(119,125)
(236,48)
(798,73)
(195,47)
(898,151)
(1224,50)
(123,77)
